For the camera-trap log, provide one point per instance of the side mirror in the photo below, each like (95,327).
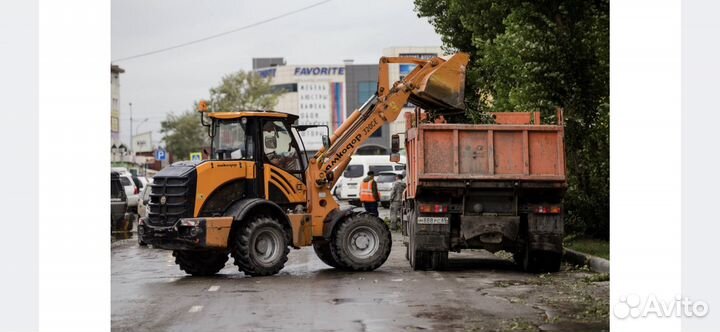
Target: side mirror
(271,142)
(395,144)
(395,157)
(326,141)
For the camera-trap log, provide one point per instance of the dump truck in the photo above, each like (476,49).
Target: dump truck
(257,196)
(484,186)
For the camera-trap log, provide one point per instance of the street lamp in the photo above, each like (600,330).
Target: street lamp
(137,129)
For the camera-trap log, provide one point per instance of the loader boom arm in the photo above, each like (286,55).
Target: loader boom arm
(433,84)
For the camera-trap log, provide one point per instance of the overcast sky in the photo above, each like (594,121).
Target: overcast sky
(170,81)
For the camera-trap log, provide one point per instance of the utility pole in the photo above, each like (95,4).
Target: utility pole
(132,151)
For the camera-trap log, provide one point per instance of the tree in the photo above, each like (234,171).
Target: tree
(183,134)
(243,91)
(536,56)
(238,91)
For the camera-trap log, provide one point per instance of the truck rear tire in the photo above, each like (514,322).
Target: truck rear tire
(539,261)
(261,247)
(200,263)
(322,250)
(430,260)
(361,242)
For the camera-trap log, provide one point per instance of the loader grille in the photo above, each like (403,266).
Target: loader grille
(171,198)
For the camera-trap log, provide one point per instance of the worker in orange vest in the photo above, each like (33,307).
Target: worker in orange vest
(369,195)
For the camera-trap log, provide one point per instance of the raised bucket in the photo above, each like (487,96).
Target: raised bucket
(444,89)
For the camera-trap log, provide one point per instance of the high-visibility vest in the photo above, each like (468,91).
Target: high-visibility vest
(366,193)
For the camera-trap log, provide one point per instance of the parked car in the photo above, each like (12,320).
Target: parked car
(143,201)
(131,190)
(385,182)
(142,210)
(118,202)
(349,183)
(145,180)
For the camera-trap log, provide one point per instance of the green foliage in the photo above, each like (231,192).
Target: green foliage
(242,91)
(183,134)
(536,56)
(595,247)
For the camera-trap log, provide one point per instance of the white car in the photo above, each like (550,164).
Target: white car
(131,190)
(144,199)
(385,181)
(143,202)
(145,180)
(349,187)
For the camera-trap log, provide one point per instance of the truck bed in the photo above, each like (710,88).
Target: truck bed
(447,153)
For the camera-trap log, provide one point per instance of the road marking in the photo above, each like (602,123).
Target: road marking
(195,308)
(396,280)
(213,288)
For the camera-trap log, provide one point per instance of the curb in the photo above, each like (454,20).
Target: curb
(596,264)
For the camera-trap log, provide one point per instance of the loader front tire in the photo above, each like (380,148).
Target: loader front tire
(200,263)
(260,247)
(362,242)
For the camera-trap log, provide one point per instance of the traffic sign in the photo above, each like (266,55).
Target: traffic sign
(160,154)
(195,156)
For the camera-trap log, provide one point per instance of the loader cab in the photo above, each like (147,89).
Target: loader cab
(267,138)
(266,142)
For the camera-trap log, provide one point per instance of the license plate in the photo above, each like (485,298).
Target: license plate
(432,220)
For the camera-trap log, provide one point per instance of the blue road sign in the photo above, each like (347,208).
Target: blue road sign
(160,154)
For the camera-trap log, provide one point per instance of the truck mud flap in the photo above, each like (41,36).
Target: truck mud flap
(432,237)
(545,232)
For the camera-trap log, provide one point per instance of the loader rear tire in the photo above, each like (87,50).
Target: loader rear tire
(260,247)
(200,263)
(362,242)
(322,250)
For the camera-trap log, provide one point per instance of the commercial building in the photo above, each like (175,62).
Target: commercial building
(115,72)
(327,94)
(316,93)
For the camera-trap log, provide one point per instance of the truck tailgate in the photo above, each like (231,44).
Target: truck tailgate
(485,152)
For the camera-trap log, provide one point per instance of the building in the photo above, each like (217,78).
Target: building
(316,93)
(115,72)
(327,94)
(362,83)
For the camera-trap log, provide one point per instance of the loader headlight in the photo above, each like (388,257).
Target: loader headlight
(190,222)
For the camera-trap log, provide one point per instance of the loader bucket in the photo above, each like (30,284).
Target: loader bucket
(444,89)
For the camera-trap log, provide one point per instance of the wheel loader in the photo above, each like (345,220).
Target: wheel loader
(257,195)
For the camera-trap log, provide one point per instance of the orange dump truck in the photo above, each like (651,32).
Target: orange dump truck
(495,187)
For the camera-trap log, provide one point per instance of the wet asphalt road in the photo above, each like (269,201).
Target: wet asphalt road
(479,292)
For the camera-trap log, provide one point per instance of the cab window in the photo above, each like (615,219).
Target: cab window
(278,146)
(232,141)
